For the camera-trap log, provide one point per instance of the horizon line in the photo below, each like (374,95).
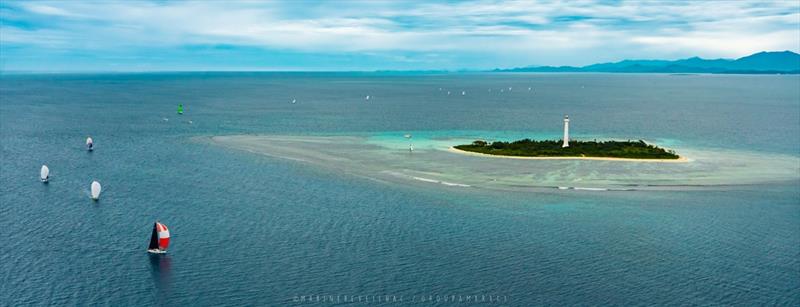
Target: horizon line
(432,70)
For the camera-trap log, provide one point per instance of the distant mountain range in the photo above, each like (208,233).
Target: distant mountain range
(782,62)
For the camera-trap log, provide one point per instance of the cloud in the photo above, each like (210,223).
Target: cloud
(506,32)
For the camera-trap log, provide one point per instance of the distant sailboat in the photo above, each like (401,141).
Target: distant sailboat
(44,174)
(159,239)
(294,100)
(448,92)
(96,188)
(89,144)
(529,88)
(180,109)
(366,98)
(463,93)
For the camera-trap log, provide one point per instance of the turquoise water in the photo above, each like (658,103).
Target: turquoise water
(252,229)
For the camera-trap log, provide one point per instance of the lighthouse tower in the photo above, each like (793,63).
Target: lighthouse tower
(566,131)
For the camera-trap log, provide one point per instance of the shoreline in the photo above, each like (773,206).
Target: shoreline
(681,159)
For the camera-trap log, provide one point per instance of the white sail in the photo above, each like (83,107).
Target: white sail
(96,188)
(89,143)
(44,174)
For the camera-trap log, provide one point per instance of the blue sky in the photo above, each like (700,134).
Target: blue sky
(371,35)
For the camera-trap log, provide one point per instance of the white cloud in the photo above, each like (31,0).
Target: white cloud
(555,31)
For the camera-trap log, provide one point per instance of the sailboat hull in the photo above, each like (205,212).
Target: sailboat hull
(156,251)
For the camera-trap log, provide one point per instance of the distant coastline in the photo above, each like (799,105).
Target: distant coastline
(783,62)
(762,63)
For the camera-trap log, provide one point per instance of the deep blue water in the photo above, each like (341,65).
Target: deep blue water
(249,229)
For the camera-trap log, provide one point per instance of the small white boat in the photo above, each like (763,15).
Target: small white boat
(89,144)
(44,174)
(366,98)
(159,239)
(96,188)
(294,100)
(463,93)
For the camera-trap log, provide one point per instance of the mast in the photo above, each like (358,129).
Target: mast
(154,238)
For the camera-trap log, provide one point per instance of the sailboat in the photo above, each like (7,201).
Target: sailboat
(96,188)
(366,98)
(159,240)
(89,144)
(410,147)
(44,174)
(180,109)
(294,100)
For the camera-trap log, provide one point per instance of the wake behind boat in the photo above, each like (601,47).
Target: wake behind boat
(159,239)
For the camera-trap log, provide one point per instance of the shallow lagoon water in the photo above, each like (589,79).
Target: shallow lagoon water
(385,158)
(253,229)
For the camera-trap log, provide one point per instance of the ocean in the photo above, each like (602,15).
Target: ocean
(253,229)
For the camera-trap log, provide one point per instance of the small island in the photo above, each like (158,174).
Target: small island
(550,148)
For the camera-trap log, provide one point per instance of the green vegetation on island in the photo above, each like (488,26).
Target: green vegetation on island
(549,148)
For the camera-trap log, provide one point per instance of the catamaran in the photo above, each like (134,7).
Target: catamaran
(89,144)
(44,174)
(159,240)
(96,188)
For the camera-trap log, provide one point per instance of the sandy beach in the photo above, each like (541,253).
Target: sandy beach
(681,159)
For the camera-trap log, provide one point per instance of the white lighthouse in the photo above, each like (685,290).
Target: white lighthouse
(566,131)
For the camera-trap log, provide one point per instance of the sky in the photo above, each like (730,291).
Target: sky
(309,35)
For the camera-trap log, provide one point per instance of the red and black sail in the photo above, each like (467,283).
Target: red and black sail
(159,239)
